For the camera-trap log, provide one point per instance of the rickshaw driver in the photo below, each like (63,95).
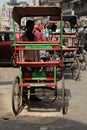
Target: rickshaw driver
(29,36)
(30,55)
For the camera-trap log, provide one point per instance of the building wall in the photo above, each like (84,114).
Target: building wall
(6,14)
(48,3)
(78,6)
(43,2)
(13,1)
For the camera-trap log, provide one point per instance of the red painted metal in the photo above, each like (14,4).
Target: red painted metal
(38,64)
(45,84)
(39,42)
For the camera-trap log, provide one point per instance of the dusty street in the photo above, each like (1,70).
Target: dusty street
(44,117)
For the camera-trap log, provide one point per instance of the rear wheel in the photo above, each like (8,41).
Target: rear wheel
(13,63)
(75,68)
(13,59)
(83,61)
(16,96)
(63,92)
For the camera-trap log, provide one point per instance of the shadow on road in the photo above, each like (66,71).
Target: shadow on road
(60,104)
(6,82)
(33,122)
(6,64)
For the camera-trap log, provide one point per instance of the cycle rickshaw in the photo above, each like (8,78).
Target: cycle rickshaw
(70,48)
(45,81)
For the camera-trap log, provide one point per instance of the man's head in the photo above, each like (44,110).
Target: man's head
(29,25)
(53,27)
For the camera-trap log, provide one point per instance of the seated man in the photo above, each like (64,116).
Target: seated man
(30,55)
(29,36)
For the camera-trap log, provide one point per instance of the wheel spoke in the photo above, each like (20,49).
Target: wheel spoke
(64,107)
(76,68)
(16,96)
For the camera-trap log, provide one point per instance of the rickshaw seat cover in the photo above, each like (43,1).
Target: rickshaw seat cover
(20,12)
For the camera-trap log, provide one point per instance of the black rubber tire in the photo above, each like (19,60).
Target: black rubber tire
(83,61)
(75,68)
(63,92)
(16,96)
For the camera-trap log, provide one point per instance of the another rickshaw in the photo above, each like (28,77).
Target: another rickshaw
(70,49)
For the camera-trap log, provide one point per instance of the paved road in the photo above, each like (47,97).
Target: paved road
(47,117)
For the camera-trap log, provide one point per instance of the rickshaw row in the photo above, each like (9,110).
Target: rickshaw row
(41,77)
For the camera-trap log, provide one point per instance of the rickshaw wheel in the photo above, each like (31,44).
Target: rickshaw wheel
(75,68)
(63,94)
(13,60)
(16,96)
(14,64)
(83,61)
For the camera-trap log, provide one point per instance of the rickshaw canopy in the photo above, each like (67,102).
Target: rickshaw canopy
(72,19)
(19,12)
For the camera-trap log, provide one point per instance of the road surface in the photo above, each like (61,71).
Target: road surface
(44,117)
